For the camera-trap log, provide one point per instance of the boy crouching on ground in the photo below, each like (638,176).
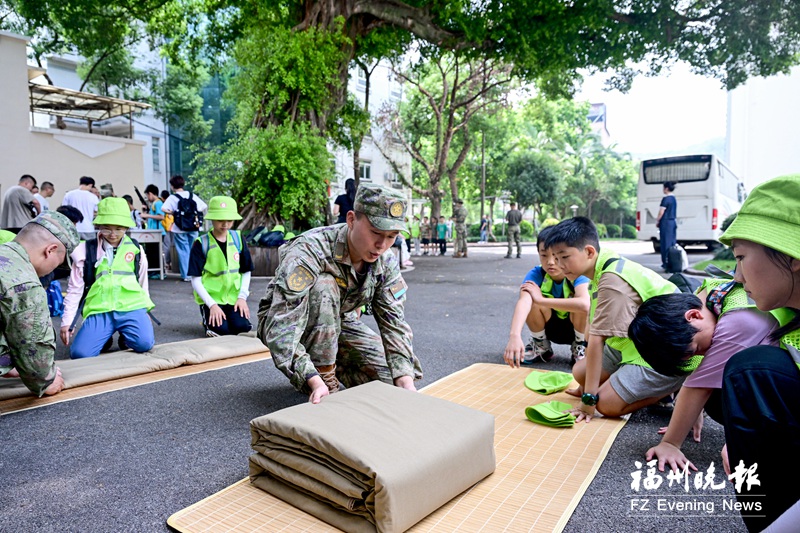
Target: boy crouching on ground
(614,379)
(220,265)
(554,308)
(108,285)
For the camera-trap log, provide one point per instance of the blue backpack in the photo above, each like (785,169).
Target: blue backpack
(55,300)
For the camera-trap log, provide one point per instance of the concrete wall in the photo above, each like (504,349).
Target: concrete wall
(762,128)
(59,156)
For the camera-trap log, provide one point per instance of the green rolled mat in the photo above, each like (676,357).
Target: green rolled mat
(551,414)
(548,382)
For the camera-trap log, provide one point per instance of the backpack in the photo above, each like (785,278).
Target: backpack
(677,260)
(271,239)
(205,242)
(685,283)
(187,217)
(168,221)
(55,299)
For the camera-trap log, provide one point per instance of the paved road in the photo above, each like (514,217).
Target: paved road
(127,460)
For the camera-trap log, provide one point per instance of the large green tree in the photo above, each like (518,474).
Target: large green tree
(545,41)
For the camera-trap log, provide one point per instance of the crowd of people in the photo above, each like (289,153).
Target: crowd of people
(732,349)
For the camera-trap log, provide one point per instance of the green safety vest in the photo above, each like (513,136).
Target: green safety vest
(116,286)
(547,292)
(221,277)
(415,229)
(643,280)
(790,341)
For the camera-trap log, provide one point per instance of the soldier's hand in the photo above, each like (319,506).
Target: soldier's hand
(514,352)
(215,316)
(65,335)
(57,385)
(241,307)
(318,389)
(405,382)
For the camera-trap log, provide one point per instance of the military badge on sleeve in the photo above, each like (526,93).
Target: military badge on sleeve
(299,279)
(398,289)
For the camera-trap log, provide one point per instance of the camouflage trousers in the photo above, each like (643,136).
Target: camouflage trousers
(343,349)
(461,239)
(514,236)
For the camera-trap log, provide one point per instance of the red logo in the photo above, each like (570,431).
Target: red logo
(129,257)
(236,256)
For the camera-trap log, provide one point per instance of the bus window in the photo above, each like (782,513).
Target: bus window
(676,169)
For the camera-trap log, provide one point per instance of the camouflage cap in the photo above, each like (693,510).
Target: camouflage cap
(385,208)
(61,227)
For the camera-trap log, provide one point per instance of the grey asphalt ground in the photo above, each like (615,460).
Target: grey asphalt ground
(127,460)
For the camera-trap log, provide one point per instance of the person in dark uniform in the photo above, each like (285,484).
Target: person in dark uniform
(667,223)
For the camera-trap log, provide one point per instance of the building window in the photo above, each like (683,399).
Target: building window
(362,79)
(395,91)
(156,143)
(365,171)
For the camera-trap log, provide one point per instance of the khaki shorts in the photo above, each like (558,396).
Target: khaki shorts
(634,382)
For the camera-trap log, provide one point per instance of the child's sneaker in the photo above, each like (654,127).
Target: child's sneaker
(210,333)
(578,351)
(538,349)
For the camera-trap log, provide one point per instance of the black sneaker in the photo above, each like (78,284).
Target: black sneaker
(578,351)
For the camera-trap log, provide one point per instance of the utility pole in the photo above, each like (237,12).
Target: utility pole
(483,172)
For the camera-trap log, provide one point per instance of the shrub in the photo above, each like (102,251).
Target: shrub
(526,228)
(728,221)
(725,253)
(613,231)
(602,232)
(548,222)
(474,230)
(628,231)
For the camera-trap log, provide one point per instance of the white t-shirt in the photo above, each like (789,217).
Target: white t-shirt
(43,202)
(86,203)
(171,204)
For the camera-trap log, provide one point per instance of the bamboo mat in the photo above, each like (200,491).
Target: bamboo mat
(31,402)
(541,473)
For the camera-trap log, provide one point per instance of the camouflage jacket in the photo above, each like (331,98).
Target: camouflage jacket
(27,337)
(460,214)
(283,312)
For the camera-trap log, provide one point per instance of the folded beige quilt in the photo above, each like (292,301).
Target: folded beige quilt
(372,458)
(117,365)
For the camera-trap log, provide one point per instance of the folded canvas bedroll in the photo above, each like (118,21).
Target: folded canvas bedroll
(372,458)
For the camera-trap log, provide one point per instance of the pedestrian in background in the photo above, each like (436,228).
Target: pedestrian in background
(514,218)
(667,223)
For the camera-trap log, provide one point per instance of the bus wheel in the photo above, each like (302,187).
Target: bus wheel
(657,246)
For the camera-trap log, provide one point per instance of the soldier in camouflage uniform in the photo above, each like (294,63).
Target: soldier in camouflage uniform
(27,337)
(460,214)
(308,317)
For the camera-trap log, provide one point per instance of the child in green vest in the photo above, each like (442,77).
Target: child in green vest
(761,385)
(117,297)
(220,265)
(613,377)
(696,335)
(553,307)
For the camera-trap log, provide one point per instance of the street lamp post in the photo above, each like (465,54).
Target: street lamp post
(574,210)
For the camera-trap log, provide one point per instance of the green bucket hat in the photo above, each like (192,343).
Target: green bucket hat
(551,414)
(278,228)
(770,216)
(223,208)
(385,208)
(548,382)
(113,211)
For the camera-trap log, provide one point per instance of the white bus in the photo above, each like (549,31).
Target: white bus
(706,190)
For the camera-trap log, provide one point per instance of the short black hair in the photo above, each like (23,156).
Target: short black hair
(27,177)
(86,180)
(669,185)
(128,198)
(662,335)
(541,239)
(72,213)
(177,181)
(47,185)
(152,189)
(575,232)
(164,194)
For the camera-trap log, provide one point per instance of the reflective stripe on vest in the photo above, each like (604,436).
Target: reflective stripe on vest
(116,286)
(221,277)
(790,341)
(547,292)
(644,281)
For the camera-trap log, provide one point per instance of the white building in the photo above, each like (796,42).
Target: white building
(29,145)
(761,140)
(146,127)
(373,167)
